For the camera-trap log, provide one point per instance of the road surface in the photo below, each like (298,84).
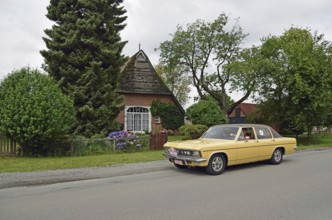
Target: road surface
(299,188)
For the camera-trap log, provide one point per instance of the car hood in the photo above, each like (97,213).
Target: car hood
(197,144)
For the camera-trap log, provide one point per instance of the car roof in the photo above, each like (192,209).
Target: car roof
(242,125)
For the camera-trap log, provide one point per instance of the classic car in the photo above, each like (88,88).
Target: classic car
(230,144)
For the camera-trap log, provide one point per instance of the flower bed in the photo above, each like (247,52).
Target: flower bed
(129,141)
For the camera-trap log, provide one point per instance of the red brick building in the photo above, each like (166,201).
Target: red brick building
(140,86)
(239,114)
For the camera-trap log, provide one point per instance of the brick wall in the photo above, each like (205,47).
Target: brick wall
(143,100)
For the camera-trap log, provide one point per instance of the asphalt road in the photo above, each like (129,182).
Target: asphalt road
(299,188)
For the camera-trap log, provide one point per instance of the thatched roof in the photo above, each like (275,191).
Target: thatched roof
(139,76)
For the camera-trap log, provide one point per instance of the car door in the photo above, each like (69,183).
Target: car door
(265,141)
(247,150)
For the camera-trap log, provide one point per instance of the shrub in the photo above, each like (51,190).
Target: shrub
(206,112)
(80,144)
(129,141)
(120,141)
(33,110)
(194,131)
(59,146)
(95,145)
(170,132)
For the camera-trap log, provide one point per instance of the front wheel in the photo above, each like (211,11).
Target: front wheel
(276,157)
(217,164)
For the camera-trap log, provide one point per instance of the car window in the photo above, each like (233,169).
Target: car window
(263,133)
(275,134)
(247,132)
(221,132)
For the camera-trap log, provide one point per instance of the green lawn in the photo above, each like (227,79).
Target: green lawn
(314,141)
(25,164)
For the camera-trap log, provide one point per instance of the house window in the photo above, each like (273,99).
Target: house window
(237,112)
(138,119)
(157,120)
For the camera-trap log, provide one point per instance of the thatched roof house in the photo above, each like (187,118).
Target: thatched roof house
(140,85)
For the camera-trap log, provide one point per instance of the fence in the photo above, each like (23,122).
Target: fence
(7,146)
(157,141)
(111,145)
(84,146)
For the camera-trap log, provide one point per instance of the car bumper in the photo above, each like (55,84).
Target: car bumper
(188,161)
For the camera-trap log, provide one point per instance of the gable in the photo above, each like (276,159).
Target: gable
(248,108)
(139,76)
(243,110)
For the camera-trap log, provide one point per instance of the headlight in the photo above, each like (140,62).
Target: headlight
(189,153)
(196,153)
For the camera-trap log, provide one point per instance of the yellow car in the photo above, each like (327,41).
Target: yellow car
(231,144)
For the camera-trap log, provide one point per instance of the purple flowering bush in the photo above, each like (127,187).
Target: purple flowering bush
(118,141)
(128,141)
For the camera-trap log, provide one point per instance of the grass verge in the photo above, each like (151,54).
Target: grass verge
(27,164)
(314,141)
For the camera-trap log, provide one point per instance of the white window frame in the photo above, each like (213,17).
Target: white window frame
(157,120)
(149,117)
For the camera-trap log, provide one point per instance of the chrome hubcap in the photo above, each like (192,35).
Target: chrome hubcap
(277,155)
(217,164)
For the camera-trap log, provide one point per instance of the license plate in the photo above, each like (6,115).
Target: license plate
(180,162)
(173,152)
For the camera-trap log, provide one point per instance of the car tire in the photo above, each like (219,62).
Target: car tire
(180,166)
(217,164)
(277,156)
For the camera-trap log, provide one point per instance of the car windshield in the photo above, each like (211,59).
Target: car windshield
(221,132)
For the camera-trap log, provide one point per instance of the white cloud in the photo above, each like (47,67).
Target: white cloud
(21,30)
(151,22)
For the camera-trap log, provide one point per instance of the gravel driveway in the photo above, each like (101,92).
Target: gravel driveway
(8,180)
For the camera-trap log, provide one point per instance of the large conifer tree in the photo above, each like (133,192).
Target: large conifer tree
(84,54)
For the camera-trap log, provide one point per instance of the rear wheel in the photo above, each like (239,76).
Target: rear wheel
(277,156)
(217,164)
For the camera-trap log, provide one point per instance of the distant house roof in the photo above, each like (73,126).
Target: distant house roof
(246,109)
(140,77)
(240,113)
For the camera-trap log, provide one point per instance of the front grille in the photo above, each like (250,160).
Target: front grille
(184,152)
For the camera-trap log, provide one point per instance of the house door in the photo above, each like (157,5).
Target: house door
(137,119)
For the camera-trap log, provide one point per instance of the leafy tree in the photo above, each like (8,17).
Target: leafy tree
(203,46)
(176,79)
(296,85)
(33,109)
(206,112)
(84,56)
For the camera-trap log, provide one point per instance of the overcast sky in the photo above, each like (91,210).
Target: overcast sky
(150,22)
